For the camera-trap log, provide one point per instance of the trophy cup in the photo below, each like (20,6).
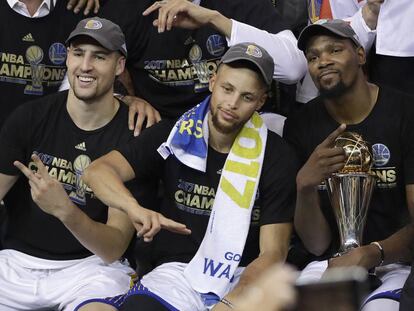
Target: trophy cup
(350,190)
(34,56)
(201,68)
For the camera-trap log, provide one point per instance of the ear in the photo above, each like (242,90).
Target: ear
(262,100)
(362,58)
(212,82)
(67,54)
(120,66)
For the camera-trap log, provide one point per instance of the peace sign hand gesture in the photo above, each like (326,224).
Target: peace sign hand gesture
(46,191)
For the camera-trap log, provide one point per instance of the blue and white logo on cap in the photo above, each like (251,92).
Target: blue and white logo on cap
(93,24)
(381,154)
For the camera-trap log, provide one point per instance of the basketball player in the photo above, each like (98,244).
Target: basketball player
(383,117)
(62,246)
(189,274)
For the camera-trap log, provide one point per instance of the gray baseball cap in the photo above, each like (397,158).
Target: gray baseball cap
(107,33)
(337,27)
(253,53)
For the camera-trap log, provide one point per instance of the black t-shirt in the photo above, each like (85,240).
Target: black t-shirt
(32,54)
(189,194)
(390,130)
(171,70)
(44,127)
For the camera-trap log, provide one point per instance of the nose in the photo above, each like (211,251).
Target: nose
(324,60)
(86,63)
(233,101)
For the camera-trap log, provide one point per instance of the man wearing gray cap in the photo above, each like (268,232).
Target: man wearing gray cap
(226,177)
(384,118)
(62,246)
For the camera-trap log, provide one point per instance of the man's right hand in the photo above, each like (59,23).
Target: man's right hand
(86,5)
(325,160)
(179,13)
(148,223)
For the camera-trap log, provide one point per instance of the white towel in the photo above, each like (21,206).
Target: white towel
(219,254)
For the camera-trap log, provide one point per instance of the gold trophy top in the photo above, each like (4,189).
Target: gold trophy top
(358,153)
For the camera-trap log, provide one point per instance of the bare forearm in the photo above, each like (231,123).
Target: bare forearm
(310,223)
(221,23)
(103,240)
(253,271)
(107,185)
(399,246)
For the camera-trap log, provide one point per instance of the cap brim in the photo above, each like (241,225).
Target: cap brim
(253,61)
(100,39)
(318,29)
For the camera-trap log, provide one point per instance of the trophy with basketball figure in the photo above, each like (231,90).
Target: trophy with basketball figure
(350,190)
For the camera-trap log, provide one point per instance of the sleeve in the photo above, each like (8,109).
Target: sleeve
(290,62)
(141,152)
(407,138)
(365,35)
(14,139)
(278,189)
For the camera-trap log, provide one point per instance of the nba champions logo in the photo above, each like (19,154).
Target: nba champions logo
(79,165)
(34,56)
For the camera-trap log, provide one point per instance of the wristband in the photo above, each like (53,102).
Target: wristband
(227,303)
(381,249)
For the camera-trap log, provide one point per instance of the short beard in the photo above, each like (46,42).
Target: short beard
(223,129)
(338,90)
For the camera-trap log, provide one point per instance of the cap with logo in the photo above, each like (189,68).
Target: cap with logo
(253,53)
(337,27)
(107,33)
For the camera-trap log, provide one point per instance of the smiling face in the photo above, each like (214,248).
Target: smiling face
(236,94)
(334,64)
(92,69)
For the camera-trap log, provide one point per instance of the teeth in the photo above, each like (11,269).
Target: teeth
(86,79)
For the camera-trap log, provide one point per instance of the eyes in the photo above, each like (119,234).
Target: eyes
(312,57)
(229,90)
(95,56)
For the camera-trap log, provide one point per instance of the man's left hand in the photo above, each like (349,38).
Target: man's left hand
(47,192)
(367,256)
(142,110)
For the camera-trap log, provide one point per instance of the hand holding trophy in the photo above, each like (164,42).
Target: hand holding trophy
(350,190)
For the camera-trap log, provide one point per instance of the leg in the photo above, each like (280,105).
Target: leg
(387,296)
(312,272)
(407,296)
(89,284)
(97,306)
(144,303)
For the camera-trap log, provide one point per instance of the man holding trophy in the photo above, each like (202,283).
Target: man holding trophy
(346,165)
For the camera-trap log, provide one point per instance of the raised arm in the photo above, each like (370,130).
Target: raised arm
(310,223)
(290,63)
(108,241)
